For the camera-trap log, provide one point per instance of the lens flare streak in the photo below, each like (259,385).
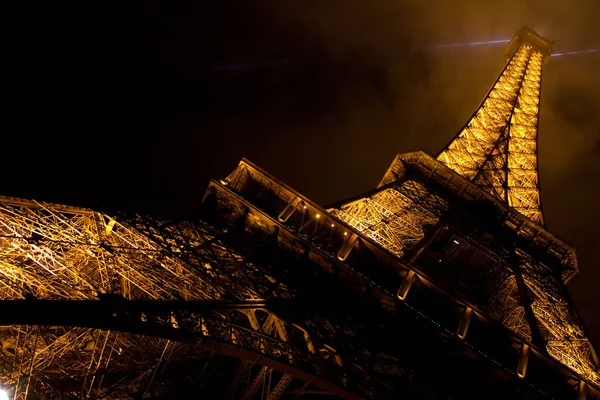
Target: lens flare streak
(574,52)
(471,43)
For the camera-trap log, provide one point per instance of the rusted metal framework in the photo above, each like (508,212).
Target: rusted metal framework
(431,286)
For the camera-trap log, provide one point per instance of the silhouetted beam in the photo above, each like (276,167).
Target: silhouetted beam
(100,313)
(63,312)
(118,314)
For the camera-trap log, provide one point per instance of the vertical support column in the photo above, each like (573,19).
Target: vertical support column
(126,288)
(26,363)
(258,381)
(525,300)
(95,361)
(309,344)
(465,320)
(110,226)
(280,388)
(242,373)
(593,353)
(347,247)
(289,210)
(333,354)
(405,286)
(414,253)
(523,361)
(250,314)
(581,391)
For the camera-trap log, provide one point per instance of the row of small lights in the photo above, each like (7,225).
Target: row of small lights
(391,295)
(292,228)
(318,216)
(481,353)
(372,283)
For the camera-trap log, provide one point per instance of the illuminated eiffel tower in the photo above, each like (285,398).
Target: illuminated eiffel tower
(497,148)
(440,283)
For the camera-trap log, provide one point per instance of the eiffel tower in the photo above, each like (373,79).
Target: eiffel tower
(440,283)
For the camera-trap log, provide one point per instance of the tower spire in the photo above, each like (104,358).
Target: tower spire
(497,148)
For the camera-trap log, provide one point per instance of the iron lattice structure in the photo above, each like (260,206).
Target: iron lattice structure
(53,252)
(497,148)
(441,275)
(497,151)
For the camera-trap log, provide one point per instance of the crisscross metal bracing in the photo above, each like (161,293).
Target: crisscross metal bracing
(497,148)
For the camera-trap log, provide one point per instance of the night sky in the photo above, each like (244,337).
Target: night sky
(138,107)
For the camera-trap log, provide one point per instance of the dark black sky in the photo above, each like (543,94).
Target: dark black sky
(138,106)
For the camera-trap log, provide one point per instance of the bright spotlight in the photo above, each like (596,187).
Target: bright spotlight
(4,394)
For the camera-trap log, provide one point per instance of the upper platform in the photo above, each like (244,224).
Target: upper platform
(532,38)
(356,250)
(431,170)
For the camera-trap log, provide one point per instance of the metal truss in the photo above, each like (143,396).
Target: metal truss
(115,339)
(505,304)
(397,217)
(244,330)
(394,216)
(563,331)
(497,151)
(497,148)
(97,307)
(52,252)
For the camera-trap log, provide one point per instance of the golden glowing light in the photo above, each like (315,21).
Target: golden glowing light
(56,252)
(497,149)
(390,217)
